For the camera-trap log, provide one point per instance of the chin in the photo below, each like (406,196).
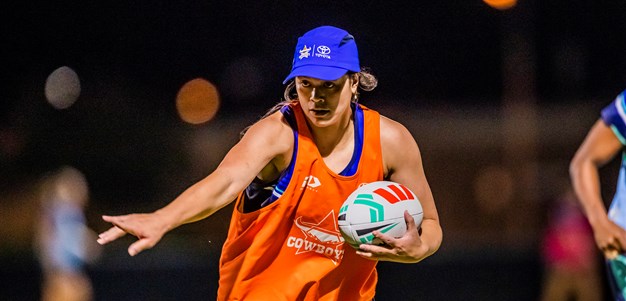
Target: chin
(321,122)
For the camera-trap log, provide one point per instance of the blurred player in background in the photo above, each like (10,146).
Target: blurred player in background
(603,142)
(571,265)
(64,243)
(289,174)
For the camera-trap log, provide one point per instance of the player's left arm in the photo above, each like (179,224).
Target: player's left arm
(402,162)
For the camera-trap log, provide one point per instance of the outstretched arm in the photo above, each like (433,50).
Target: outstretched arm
(264,144)
(403,164)
(600,146)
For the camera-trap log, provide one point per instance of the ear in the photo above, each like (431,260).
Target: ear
(354,84)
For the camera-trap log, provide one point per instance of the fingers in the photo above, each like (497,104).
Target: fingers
(367,255)
(110,235)
(610,253)
(378,252)
(384,238)
(389,240)
(108,218)
(410,221)
(138,225)
(392,242)
(612,249)
(114,233)
(373,252)
(115,220)
(139,246)
(620,241)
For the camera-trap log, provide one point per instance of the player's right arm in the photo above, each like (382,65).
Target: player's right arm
(599,147)
(266,146)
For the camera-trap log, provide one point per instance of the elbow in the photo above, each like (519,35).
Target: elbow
(574,166)
(578,164)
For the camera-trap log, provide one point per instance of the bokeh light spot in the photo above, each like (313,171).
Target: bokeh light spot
(501,4)
(62,88)
(197,101)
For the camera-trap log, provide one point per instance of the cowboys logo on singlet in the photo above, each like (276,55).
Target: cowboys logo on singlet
(321,237)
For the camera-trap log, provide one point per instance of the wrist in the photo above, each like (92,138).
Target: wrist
(597,219)
(165,220)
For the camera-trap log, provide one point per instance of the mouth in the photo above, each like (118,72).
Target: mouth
(319,112)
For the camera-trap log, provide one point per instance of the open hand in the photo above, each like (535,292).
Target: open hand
(148,228)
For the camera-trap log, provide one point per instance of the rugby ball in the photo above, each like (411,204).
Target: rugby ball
(377,206)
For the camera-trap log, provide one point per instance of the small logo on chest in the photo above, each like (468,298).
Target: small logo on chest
(311,182)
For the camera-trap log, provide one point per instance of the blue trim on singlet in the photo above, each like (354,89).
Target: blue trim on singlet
(358,142)
(351,168)
(285,176)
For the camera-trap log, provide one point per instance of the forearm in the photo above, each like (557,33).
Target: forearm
(599,147)
(431,236)
(586,182)
(199,201)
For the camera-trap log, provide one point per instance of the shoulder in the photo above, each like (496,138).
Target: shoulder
(273,128)
(393,132)
(399,148)
(614,116)
(269,140)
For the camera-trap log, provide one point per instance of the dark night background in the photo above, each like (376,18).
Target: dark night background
(450,70)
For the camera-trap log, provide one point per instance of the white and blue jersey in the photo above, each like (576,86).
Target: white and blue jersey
(614,116)
(65,249)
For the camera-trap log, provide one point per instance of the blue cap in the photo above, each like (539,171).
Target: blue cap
(325,53)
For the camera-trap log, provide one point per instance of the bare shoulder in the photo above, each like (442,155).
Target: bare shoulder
(270,139)
(273,130)
(393,132)
(400,151)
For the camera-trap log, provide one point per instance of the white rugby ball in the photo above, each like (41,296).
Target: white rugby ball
(377,206)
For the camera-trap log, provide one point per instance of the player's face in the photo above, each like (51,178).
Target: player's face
(326,102)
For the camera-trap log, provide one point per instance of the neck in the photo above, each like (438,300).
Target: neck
(330,138)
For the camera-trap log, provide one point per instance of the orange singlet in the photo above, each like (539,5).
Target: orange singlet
(292,249)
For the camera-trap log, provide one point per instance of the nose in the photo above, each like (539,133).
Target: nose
(315,96)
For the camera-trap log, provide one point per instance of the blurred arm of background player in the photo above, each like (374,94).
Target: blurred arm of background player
(268,140)
(599,147)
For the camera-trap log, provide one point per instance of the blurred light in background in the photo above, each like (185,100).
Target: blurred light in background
(62,88)
(197,101)
(501,4)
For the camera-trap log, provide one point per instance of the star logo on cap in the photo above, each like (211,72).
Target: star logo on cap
(305,52)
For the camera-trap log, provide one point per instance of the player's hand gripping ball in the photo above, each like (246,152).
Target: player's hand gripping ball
(377,206)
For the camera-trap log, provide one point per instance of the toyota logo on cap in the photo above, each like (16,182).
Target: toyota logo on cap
(323,49)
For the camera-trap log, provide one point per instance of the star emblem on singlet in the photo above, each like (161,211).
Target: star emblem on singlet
(322,237)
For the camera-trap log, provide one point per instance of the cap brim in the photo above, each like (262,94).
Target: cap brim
(316,71)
